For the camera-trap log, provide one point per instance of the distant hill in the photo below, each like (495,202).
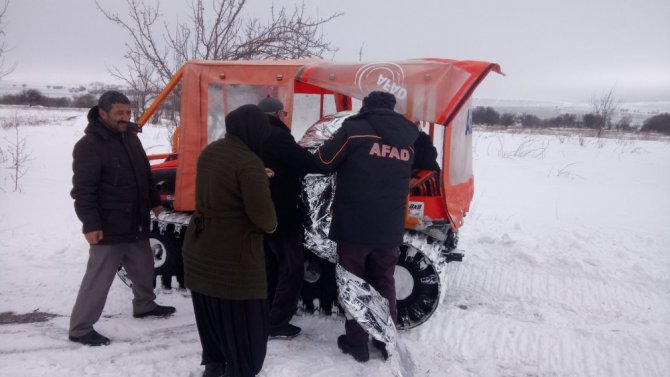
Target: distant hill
(638,111)
(57,90)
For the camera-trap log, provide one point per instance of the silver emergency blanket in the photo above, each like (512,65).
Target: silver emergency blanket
(367,306)
(317,198)
(318,189)
(323,130)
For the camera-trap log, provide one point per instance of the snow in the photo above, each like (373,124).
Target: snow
(567,253)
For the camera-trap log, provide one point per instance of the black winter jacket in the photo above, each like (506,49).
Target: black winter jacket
(425,157)
(373,155)
(113,189)
(290,162)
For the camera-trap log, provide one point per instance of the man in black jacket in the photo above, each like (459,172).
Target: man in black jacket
(283,248)
(372,154)
(113,192)
(425,159)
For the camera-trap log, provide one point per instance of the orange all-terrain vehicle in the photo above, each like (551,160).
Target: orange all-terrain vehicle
(434,93)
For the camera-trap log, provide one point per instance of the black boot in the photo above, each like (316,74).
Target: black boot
(91,339)
(360,353)
(158,311)
(381,346)
(288,331)
(214,370)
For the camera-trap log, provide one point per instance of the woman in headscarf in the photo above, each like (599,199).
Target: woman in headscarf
(224,262)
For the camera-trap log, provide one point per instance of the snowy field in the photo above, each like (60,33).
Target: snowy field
(566,271)
(637,111)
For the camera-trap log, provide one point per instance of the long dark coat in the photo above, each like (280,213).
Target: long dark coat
(223,248)
(290,162)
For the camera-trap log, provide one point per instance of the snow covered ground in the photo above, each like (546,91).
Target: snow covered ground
(566,271)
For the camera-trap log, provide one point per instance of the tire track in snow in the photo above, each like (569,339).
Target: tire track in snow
(550,322)
(572,292)
(470,337)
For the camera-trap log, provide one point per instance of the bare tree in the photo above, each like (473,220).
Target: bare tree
(4,70)
(17,155)
(140,77)
(3,157)
(220,31)
(604,109)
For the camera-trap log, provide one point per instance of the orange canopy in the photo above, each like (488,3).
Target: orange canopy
(430,90)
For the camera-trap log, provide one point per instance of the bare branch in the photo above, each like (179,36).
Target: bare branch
(604,109)
(220,31)
(4,70)
(18,154)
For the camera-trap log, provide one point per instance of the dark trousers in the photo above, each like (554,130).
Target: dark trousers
(376,266)
(232,332)
(285,271)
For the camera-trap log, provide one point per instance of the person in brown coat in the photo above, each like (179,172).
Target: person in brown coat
(224,261)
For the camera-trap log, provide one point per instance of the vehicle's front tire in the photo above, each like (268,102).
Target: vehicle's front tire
(416,278)
(166,248)
(417,287)
(319,284)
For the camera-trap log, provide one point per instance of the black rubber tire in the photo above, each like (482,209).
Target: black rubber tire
(423,299)
(414,308)
(319,283)
(168,260)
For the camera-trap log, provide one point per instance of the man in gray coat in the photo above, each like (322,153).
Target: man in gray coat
(113,192)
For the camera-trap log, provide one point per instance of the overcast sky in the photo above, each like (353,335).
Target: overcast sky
(557,50)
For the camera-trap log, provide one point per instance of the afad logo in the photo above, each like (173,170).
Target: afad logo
(387,77)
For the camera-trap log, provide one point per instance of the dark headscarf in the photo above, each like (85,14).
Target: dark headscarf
(250,124)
